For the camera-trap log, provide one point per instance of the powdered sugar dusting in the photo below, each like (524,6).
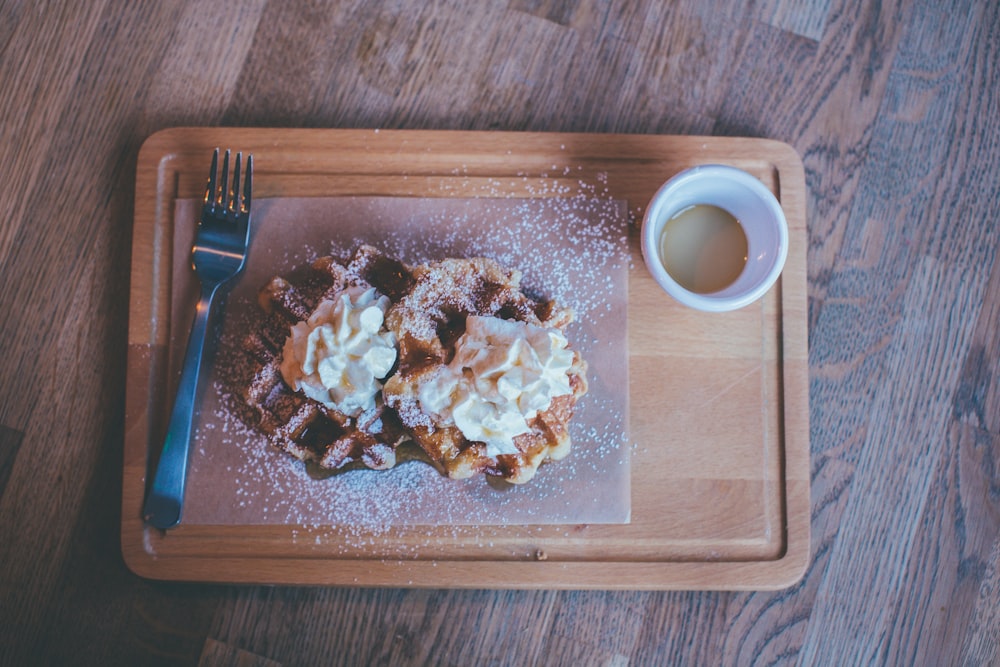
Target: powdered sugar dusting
(570,246)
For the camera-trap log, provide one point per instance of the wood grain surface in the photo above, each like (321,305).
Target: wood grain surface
(894,108)
(718,412)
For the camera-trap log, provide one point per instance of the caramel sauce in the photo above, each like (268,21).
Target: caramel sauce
(704,248)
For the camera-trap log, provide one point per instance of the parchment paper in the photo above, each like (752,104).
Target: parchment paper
(571,248)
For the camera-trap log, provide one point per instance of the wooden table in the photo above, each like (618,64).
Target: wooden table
(895,112)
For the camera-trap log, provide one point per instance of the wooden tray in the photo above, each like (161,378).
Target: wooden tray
(718,402)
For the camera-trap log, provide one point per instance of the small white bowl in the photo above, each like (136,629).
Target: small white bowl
(746,199)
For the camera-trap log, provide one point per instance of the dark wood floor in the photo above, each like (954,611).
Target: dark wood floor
(895,109)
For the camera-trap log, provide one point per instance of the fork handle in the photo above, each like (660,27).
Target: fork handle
(166,496)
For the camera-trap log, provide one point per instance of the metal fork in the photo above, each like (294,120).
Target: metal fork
(219,253)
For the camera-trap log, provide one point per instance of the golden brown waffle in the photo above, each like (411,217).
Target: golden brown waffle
(431,304)
(307,429)
(428,320)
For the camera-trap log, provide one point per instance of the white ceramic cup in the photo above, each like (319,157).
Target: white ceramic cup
(747,200)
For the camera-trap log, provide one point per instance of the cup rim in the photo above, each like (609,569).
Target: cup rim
(717,301)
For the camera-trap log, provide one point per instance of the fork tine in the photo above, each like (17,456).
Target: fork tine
(234,205)
(224,193)
(210,188)
(248,188)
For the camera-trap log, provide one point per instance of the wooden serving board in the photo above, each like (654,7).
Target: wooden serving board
(719,403)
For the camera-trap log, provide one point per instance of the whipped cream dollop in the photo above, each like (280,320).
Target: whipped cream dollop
(339,355)
(502,375)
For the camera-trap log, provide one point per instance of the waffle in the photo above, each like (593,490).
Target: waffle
(305,428)
(427,321)
(432,304)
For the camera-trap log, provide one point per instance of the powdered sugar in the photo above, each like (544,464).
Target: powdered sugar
(572,247)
